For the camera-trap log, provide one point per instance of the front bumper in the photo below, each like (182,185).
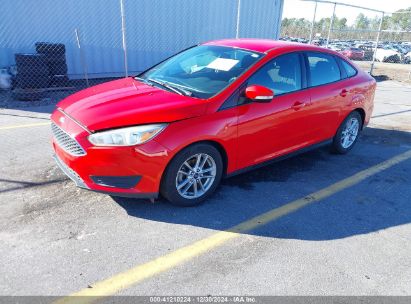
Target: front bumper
(118,171)
(70,173)
(100,180)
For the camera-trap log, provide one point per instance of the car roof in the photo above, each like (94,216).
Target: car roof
(257,45)
(264,45)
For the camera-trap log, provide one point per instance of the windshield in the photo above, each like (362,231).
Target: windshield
(201,71)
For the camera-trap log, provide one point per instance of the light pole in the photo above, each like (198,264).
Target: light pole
(331,24)
(312,23)
(376,43)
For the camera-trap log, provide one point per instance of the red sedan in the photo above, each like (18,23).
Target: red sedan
(211,111)
(354,53)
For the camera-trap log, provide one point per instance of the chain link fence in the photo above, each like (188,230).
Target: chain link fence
(50,49)
(377,41)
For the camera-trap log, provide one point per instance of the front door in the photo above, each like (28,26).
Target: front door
(267,130)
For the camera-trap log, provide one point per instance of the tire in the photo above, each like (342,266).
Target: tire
(28,94)
(32,82)
(31,64)
(57,68)
(50,48)
(60,81)
(55,58)
(339,145)
(172,176)
(32,60)
(33,70)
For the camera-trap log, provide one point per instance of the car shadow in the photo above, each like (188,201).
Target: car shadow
(379,202)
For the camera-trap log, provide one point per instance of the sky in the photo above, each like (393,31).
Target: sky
(304,9)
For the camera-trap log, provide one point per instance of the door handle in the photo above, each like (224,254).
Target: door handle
(343,92)
(298,105)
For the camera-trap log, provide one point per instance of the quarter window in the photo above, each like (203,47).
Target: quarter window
(349,69)
(323,69)
(281,75)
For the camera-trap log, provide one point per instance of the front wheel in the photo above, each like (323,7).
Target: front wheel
(193,175)
(347,133)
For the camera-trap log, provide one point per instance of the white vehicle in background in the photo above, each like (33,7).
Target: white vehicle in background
(384,54)
(407,58)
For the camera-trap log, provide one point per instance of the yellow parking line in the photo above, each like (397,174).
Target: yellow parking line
(141,272)
(25,126)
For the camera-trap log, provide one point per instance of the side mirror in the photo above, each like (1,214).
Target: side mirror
(259,93)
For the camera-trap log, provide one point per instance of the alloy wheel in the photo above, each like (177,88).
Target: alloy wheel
(196,176)
(350,132)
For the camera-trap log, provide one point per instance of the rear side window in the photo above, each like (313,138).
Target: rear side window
(323,69)
(349,69)
(281,75)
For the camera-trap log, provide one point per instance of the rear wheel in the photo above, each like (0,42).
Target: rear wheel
(193,175)
(347,134)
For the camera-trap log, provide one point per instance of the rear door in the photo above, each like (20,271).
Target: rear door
(328,95)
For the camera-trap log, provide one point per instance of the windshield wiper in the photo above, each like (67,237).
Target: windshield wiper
(172,88)
(143,80)
(175,89)
(139,78)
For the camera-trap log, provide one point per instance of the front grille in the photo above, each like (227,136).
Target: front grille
(65,141)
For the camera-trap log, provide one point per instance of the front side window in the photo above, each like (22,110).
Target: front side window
(281,75)
(323,69)
(202,71)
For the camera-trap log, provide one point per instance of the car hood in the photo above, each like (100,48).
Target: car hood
(127,102)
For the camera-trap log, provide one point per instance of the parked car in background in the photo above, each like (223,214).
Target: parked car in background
(317,42)
(388,51)
(335,47)
(353,53)
(213,110)
(384,54)
(368,50)
(407,47)
(399,48)
(407,58)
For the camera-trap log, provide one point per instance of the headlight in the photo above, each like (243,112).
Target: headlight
(126,136)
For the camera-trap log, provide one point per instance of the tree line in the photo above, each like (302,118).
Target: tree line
(396,27)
